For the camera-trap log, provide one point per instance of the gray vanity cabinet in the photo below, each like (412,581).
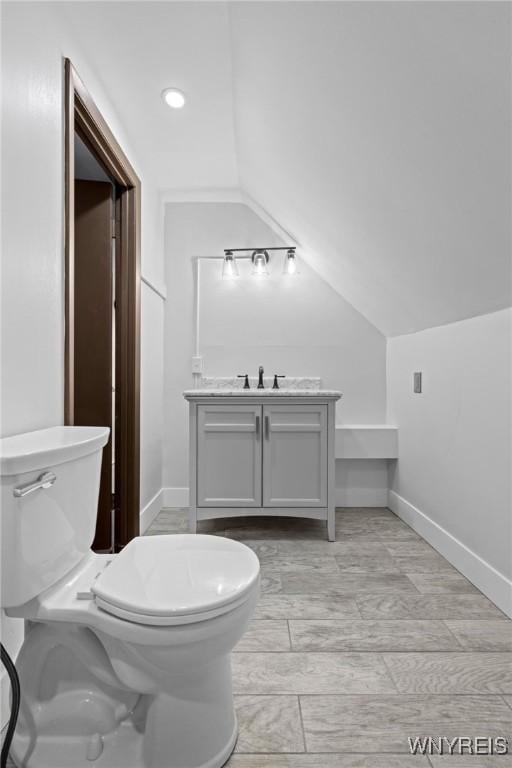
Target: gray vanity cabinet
(261,455)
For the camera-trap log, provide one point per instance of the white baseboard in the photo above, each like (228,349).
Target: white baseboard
(175,497)
(151,510)
(487,579)
(345,497)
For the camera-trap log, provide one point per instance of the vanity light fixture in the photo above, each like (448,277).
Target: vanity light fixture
(229,266)
(174,98)
(260,258)
(290,262)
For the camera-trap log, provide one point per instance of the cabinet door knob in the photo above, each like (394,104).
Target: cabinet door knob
(257,426)
(267,427)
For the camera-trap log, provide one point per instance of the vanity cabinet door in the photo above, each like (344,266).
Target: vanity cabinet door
(295,455)
(229,456)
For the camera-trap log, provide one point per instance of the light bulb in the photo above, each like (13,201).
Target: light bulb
(174,98)
(290,263)
(229,267)
(260,260)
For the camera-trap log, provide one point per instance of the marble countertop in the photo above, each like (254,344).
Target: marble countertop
(190,394)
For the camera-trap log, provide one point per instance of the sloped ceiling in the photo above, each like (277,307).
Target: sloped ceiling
(376,133)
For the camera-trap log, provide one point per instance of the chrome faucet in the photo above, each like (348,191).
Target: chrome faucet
(260,378)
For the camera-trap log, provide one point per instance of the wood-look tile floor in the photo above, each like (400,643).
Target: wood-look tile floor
(360,643)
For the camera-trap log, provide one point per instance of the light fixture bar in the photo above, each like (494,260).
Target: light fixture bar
(251,250)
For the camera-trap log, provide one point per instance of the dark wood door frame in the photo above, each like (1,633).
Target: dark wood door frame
(83,117)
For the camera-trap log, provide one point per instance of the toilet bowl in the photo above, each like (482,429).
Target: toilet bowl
(126,661)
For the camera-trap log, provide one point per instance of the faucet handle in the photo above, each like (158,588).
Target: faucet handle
(276,383)
(246,377)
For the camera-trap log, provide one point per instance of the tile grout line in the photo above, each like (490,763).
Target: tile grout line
(289,634)
(391,753)
(453,635)
(358,609)
(390,673)
(302,723)
(377,695)
(508,703)
(380,651)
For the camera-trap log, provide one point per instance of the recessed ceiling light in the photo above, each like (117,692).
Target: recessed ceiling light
(173,98)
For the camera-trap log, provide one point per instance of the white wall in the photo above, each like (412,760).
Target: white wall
(34,42)
(152,388)
(361,483)
(454,466)
(293,326)
(151,354)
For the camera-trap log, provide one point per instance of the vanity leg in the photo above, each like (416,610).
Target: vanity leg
(331,473)
(331,524)
(192,501)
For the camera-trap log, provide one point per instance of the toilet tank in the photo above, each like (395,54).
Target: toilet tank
(46,532)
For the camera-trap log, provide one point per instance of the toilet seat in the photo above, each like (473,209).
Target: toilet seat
(176,579)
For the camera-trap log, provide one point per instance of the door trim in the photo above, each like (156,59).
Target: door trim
(83,117)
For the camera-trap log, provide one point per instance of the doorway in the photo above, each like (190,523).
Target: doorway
(102,343)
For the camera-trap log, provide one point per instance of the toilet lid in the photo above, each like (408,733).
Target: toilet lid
(176,575)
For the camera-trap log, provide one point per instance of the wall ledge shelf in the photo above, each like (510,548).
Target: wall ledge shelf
(366,441)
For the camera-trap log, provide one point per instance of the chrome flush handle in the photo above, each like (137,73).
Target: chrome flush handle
(46,480)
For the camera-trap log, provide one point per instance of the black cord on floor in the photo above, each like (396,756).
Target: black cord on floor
(15,704)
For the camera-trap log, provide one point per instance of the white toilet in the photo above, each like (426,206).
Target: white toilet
(126,660)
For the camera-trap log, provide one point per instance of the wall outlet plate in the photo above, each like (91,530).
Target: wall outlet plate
(197,365)
(417,382)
